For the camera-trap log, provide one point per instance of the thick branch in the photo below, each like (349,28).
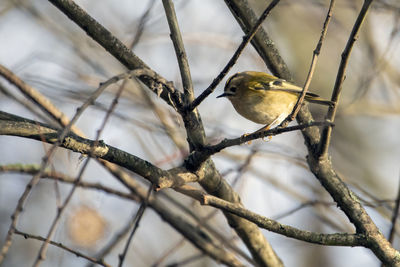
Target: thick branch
(17,126)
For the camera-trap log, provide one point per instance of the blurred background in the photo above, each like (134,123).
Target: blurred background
(49,52)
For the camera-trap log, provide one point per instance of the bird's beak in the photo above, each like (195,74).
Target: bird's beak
(223,95)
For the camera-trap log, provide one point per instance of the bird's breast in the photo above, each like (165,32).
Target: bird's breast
(265,107)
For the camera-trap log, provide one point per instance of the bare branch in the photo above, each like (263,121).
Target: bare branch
(136,219)
(113,45)
(395,216)
(40,100)
(339,239)
(17,126)
(310,74)
(179,49)
(43,249)
(326,134)
(56,140)
(77,253)
(264,45)
(235,56)
(197,236)
(197,157)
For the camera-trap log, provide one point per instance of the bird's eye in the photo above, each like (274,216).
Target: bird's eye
(233,89)
(278,82)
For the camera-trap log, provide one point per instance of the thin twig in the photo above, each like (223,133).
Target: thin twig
(302,206)
(265,46)
(165,255)
(136,219)
(43,250)
(326,134)
(234,58)
(39,99)
(75,252)
(59,177)
(25,104)
(187,260)
(179,49)
(141,24)
(199,156)
(136,195)
(310,74)
(35,179)
(395,216)
(117,237)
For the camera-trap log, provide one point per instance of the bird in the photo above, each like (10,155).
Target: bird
(264,98)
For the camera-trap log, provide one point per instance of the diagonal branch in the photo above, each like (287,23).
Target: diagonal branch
(337,239)
(235,56)
(60,245)
(179,49)
(310,74)
(327,132)
(395,216)
(113,45)
(61,209)
(17,126)
(265,46)
(40,100)
(138,217)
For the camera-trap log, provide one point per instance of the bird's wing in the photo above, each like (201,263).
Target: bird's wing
(284,86)
(281,85)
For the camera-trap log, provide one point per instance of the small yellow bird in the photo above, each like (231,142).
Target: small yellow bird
(263,98)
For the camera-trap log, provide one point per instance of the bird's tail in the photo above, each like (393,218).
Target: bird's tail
(320,101)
